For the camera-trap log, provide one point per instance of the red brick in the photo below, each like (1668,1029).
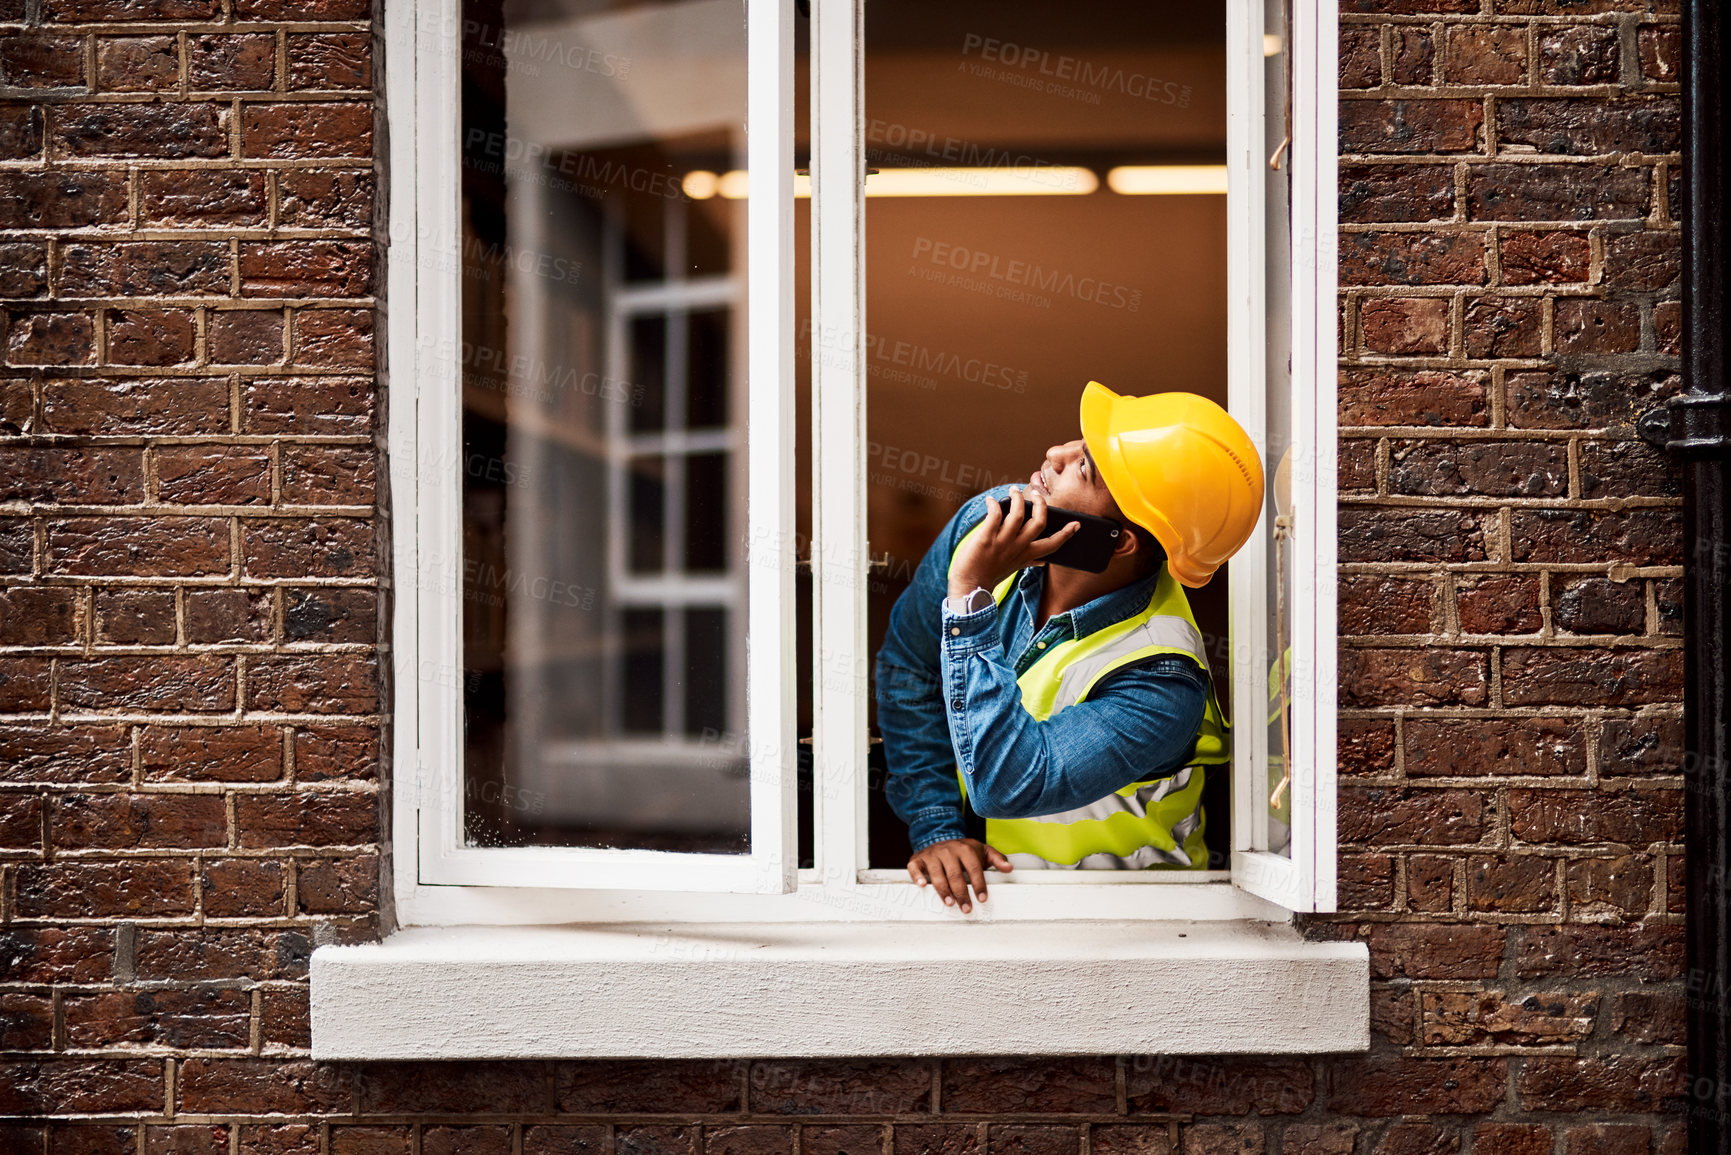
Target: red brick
(60,200)
(1538,400)
(1639,537)
(1557,192)
(85,476)
(296,131)
(148,131)
(1584,54)
(285,1020)
(336,753)
(1583,817)
(1405,397)
(330,615)
(1411,126)
(153,337)
(1219,1085)
(279,1138)
(655,1141)
(1661,47)
(327,475)
(38,616)
(138,888)
(1435,950)
(67,1085)
(20,138)
(1572,952)
(206,1017)
(1668,327)
(56,954)
(339,886)
(1319,1139)
(23,270)
(25,684)
(1649,260)
(1360,57)
(1371,604)
(36,60)
(1499,605)
(246,337)
(262,1086)
(1609,1139)
(144,546)
(1591,127)
(326,199)
(307,818)
(1397,1086)
(936,1139)
(1511,884)
(21,822)
(1366,882)
(1511,1139)
(1430,882)
(26,1024)
(1408,258)
(1545,258)
(302,9)
(334,339)
(214,475)
(202,197)
(1429,468)
(179,405)
(852,1087)
(1592,326)
(1502,327)
(64,755)
(1381,535)
(1386,815)
(313,684)
(1486,54)
(228,615)
(1650,1017)
(1610,887)
(309,405)
(50,339)
(138,821)
(987,1086)
(245,62)
(1405,326)
(1642,744)
(330,60)
(1481,746)
(370,1140)
(242,887)
(17,545)
(1616,1083)
(1414,52)
(76,11)
(187,1139)
(648,1087)
(1628,469)
(309,547)
(1413,677)
(1355,466)
(306,268)
(211,753)
(135,617)
(144,268)
(1417,1139)
(206,682)
(1579,676)
(449,1088)
(209,954)
(751,1139)
(1598,605)
(137,63)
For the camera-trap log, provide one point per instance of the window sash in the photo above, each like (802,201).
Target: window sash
(426,440)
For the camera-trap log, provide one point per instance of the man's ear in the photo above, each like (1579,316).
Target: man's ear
(1126,545)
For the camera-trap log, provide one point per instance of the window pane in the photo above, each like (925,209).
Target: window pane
(989,312)
(603,578)
(1277,521)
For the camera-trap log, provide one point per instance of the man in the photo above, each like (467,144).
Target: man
(1073,708)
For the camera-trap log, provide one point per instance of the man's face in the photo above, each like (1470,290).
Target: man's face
(1070,480)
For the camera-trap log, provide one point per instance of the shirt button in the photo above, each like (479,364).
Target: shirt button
(1040,645)
(955,630)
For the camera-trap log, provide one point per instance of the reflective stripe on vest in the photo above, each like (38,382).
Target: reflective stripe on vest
(1154,823)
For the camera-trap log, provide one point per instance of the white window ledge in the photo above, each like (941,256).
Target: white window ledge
(814,990)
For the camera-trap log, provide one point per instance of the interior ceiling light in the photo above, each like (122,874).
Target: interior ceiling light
(1053,180)
(1168,179)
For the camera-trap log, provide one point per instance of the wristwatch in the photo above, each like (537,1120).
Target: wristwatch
(971,602)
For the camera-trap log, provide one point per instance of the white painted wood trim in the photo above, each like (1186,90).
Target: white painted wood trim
(696,991)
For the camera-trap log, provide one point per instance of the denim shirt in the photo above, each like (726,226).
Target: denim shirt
(947,699)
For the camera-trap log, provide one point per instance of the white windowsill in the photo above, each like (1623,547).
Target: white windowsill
(839,989)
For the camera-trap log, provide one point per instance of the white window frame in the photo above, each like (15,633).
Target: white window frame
(438,881)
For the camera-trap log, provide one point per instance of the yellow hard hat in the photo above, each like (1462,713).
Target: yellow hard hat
(1180,467)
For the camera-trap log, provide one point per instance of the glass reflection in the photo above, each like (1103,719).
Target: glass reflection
(1277,520)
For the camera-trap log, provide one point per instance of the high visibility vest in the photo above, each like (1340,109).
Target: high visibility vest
(1157,823)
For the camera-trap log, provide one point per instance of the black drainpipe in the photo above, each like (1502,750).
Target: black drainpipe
(1694,426)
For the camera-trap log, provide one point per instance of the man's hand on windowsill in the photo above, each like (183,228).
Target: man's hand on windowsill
(954,864)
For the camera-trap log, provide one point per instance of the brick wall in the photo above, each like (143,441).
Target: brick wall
(189,682)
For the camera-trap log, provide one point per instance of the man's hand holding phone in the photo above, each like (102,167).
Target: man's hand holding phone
(953,865)
(1008,540)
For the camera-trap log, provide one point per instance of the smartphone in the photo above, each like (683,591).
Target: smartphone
(1091,547)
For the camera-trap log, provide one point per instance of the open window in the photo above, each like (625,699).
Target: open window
(672,423)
